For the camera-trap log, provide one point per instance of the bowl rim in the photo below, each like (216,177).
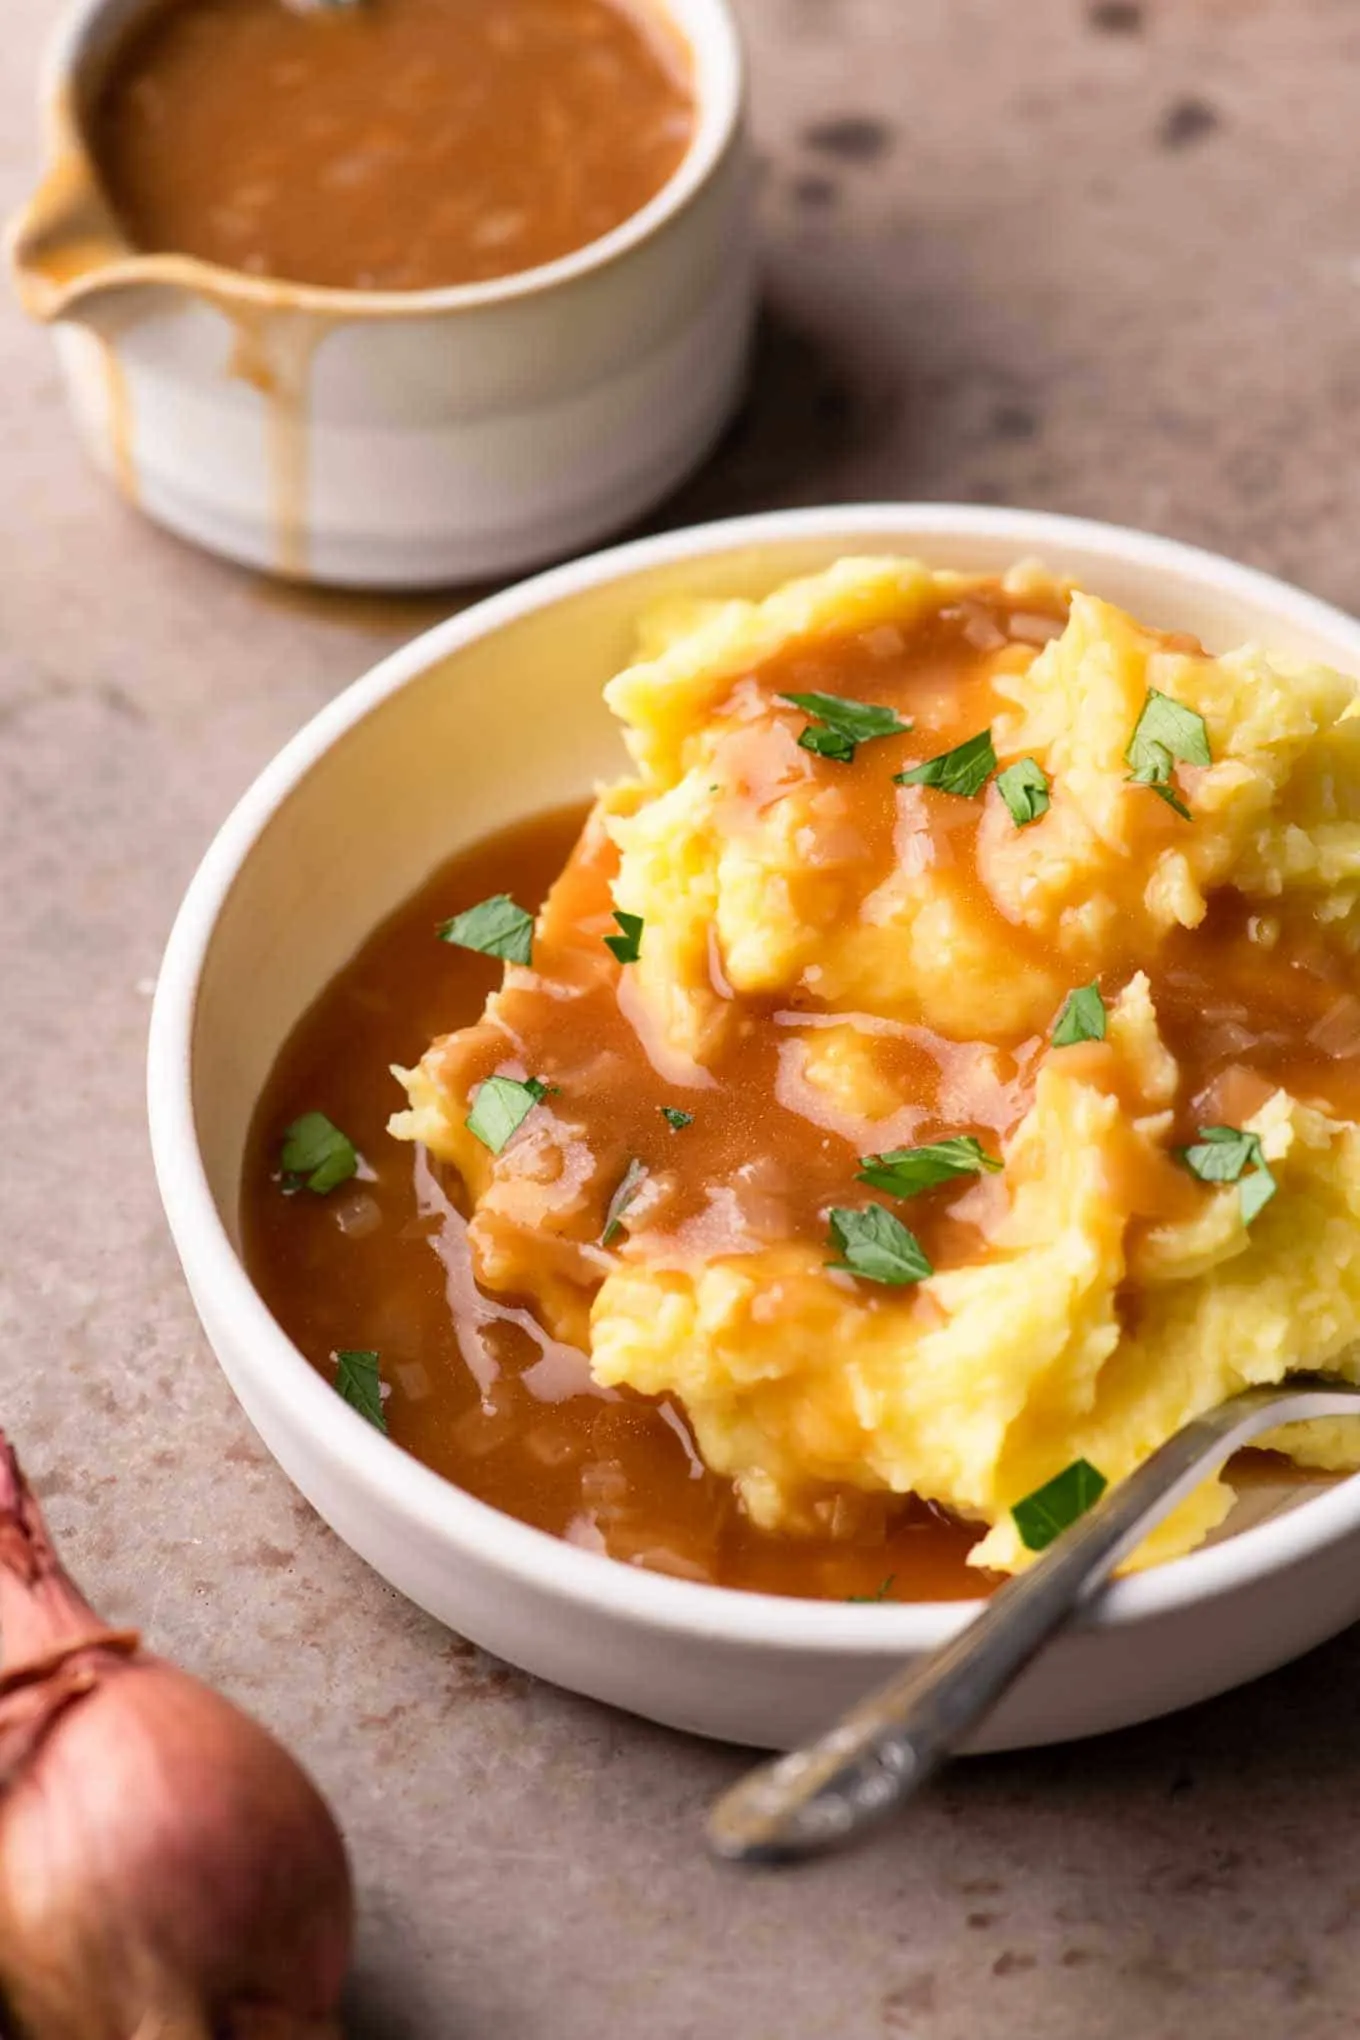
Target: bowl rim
(712,40)
(380,1472)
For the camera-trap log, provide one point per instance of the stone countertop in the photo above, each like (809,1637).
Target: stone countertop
(1101,258)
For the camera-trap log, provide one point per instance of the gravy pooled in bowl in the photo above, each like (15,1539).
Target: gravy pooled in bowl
(391,145)
(932,1077)
(473,1384)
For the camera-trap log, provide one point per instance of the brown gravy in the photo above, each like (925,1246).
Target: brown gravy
(392,145)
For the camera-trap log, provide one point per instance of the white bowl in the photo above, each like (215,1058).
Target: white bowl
(399,439)
(490,716)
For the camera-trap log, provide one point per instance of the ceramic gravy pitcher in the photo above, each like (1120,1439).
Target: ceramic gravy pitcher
(403,438)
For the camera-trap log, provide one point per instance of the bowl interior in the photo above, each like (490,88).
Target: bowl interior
(497,714)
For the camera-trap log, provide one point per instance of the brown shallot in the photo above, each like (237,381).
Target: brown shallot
(167,1872)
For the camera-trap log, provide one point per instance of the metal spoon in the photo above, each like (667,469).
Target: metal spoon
(879,1753)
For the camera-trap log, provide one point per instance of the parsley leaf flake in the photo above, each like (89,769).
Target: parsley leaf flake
(1046,1513)
(880,1593)
(1024,788)
(828,743)
(1180,730)
(1166,733)
(501,1106)
(358,1380)
(675,1118)
(1082,1017)
(494,927)
(905,1172)
(965,770)
(627,945)
(840,724)
(1225,1154)
(315,1156)
(632,1180)
(876,1246)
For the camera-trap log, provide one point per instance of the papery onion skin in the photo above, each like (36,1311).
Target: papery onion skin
(167,1872)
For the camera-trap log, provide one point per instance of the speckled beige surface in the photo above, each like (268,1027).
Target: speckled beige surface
(1096,258)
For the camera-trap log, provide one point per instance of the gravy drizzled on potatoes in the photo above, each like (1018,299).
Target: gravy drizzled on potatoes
(923,865)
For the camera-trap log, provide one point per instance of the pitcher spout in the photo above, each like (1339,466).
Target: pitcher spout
(67,252)
(65,246)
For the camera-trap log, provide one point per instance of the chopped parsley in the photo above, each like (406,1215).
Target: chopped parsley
(675,1118)
(1223,1154)
(840,725)
(1046,1513)
(315,1155)
(632,1180)
(1172,726)
(876,1246)
(965,770)
(828,744)
(1255,1192)
(880,1593)
(494,927)
(627,945)
(1082,1017)
(501,1106)
(358,1381)
(1167,732)
(905,1172)
(1024,788)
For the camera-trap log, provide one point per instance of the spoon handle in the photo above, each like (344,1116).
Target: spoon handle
(817,1797)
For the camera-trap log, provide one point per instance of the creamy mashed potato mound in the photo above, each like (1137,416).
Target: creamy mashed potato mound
(833,964)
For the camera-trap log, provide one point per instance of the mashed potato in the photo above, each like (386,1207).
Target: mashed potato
(836,962)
